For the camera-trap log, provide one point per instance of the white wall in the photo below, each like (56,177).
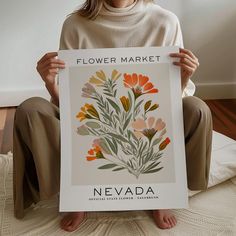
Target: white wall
(174,6)
(30,28)
(209,29)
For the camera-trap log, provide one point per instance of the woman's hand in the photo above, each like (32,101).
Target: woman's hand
(48,67)
(188,63)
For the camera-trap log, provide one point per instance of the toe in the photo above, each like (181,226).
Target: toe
(62,223)
(170,222)
(166,220)
(164,223)
(68,223)
(173,219)
(69,228)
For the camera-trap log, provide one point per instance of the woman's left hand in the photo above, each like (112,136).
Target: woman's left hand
(188,63)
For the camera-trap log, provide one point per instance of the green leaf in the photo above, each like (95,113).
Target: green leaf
(111,145)
(127,122)
(128,132)
(119,168)
(108,94)
(142,148)
(137,111)
(121,131)
(93,125)
(107,166)
(130,99)
(106,116)
(133,136)
(117,136)
(156,141)
(82,130)
(92,131)
(117,117)
(104,146)
(114,105)
(138,104)
(152,166)
(153,171)
(130,164)
(148,156)
(156,156)
(115,144)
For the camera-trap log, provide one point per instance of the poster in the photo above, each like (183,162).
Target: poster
(122,140)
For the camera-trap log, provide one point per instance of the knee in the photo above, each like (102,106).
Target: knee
(195,107)
(29,107)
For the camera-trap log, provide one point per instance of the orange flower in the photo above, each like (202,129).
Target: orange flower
(139,84)
(163,145)
(94,153)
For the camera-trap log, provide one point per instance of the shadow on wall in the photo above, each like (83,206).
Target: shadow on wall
(211,34)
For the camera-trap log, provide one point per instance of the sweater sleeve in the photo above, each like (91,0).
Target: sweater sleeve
(178,41)
(69,38)
(178,38)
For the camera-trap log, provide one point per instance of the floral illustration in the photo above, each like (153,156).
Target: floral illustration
(127,135)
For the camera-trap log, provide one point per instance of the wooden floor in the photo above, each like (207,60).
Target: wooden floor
(6,129)
(224,116)
(223,113)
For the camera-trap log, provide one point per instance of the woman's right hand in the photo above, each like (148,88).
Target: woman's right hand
(48,67)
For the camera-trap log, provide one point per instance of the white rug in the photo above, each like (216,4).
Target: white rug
(211,213)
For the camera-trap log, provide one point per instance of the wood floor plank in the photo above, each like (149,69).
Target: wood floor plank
(224,116)
(7,142)
(1,138)
(3,115)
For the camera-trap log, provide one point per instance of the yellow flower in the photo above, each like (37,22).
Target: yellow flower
(88,111)
(148,107)
(81,116)
(101,75)
(96,81)
(100,78)
(92,110)
(125,103)
(115,75)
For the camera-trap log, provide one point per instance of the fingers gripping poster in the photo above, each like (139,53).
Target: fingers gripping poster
(122,140)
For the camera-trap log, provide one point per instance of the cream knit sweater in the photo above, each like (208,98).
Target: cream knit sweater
(142,24)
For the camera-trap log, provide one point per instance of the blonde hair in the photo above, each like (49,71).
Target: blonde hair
(91,8)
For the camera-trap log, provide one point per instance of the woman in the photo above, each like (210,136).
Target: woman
(104,24)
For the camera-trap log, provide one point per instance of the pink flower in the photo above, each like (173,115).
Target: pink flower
(147,128)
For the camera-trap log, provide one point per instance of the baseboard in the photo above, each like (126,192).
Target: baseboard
(216,90)
(10,98)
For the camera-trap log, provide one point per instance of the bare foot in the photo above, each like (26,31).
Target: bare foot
(164,219)
(72,221)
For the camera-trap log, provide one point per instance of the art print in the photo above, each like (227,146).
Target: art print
(120,145)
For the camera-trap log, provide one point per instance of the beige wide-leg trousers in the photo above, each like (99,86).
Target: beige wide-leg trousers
(36,149)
